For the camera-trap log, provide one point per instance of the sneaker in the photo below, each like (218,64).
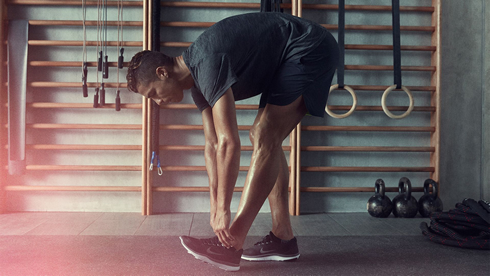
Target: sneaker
(272,248)
(213,252)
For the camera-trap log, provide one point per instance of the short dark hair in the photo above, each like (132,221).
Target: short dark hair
(142,68)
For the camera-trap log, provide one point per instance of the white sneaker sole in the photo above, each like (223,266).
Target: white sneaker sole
(270,258)
(209,261)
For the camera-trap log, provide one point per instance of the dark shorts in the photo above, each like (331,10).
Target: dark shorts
(309,75)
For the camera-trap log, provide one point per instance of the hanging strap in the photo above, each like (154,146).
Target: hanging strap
(341,43)
(276,6)
(397,56)
(265,5)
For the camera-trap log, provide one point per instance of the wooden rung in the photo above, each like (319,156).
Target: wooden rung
(41,84)
(352,189)
(200,127)
(83,126)
(368,149)
(195,127)
(81,105)
(126,64)
(223,5)
(367,169)
(201,148)
(125,147)
(368,7)
(74,188)
(187,24)
(389,68)
(83,147)
(51,84)
(70,64)
(189,189)
(389,47)
(80,23)
(193,106)
(101,168)
(194,168)
(347,47)
(335,27)
(383,88)
(187,44)
(288,6)
(184,24)
(69,3)
(379,108)
(368,128)
(80,43)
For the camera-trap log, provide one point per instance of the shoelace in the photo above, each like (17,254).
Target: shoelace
(265,240)
(212,241)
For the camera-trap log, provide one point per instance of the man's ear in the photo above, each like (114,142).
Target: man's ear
(162,72)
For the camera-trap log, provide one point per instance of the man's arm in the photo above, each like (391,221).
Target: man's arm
(227,161)
(210,158)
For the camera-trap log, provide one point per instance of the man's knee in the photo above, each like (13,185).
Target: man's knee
(251,134)
(264,137)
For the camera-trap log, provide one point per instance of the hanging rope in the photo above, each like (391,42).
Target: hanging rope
(98,53)
(120,60)
(340,69)
(397,69)
(84,54)
(105,64)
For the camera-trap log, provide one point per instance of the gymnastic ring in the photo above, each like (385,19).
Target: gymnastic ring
(354,104)
(385,108)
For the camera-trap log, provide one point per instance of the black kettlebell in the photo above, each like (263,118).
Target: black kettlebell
(429,203)
(404,204)
(379,205)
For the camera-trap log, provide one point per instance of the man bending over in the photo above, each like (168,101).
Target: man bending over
(290,62)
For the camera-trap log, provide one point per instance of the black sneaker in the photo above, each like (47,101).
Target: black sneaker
(211,251)
(272,248)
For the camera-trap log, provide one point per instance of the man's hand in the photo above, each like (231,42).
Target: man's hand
(221,224)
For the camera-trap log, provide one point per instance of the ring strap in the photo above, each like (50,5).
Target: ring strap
(341,43)
(397,57)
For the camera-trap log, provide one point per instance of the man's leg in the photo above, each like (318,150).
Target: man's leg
(279,203)
(275,124)
(279,196)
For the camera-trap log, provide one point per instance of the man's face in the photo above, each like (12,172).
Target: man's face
(164,90)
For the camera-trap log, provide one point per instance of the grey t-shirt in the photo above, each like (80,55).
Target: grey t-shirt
(244,52)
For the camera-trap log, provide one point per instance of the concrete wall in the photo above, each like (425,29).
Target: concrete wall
(464,101)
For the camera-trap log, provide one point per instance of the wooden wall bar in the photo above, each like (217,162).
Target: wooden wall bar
(433,109)
(54,106)
(295,148)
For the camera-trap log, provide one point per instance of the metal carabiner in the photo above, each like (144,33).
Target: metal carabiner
(160,171)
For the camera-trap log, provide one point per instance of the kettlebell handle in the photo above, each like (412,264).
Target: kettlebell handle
(405,187)
(427,184)
(379,187)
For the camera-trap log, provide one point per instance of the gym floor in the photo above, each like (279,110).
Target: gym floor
(129,243)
